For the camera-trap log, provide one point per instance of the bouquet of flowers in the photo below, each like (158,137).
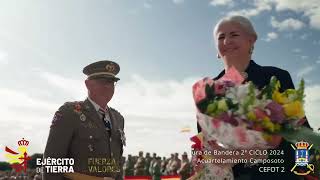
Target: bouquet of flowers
(237,115)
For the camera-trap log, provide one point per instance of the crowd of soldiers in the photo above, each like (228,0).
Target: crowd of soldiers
(155,166)
(134,166)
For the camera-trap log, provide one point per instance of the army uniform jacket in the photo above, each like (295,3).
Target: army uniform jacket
(78,132)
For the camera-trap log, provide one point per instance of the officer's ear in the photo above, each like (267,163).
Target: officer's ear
(88,83)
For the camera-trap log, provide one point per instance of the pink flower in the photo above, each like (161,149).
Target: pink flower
(229,83)
(241,135)
(277,112)
(199,89)
(257,128)
(260,114)
(216,123)
(208,80)
(225,117)
(219,88)
(301,121)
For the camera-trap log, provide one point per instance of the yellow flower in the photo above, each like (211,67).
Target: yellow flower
(294,109)
(267,124)
(279,97)
(251,116)
(266,118)
(277,127)
(267,137)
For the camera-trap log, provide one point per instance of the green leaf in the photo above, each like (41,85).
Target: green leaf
(301,134)
(250,98)
(209,92)
(232,106)
(272,86)
(202,105)
(210,95)
(301,90)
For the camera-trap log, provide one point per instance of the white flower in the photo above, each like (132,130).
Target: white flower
(242,91)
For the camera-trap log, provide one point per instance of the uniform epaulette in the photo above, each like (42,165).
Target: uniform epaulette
(71,104)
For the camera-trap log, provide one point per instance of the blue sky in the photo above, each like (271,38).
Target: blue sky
(162,46)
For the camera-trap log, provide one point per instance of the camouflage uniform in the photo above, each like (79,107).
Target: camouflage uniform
(139,166)
(185,168)
(156,169)
(175,165)
(154,160)
(78,131)
(129,166)
(147,164)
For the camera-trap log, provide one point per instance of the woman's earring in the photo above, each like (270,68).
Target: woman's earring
(251,50)
(218,56)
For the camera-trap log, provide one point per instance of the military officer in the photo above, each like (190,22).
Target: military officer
(175,165)
(147,164)
(90,131)
(168,166)
(139,166)
(163,165)
(153,160)
(184,170)
(156,169)
(129,166)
